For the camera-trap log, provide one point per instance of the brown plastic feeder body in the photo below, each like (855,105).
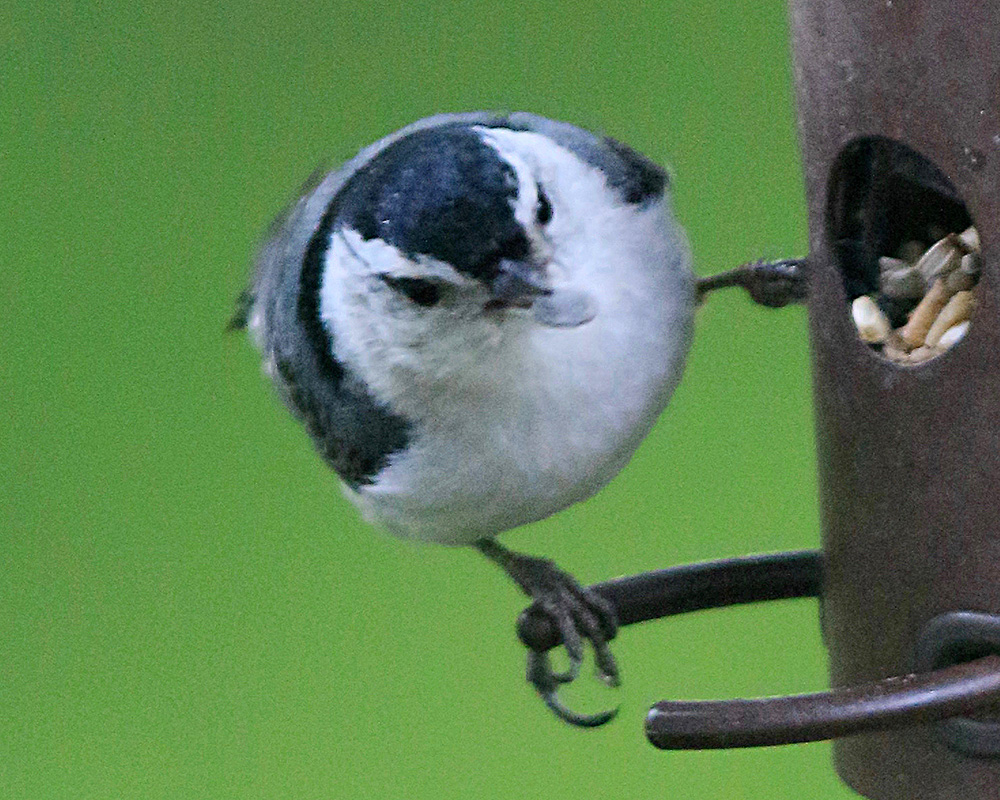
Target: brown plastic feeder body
(909,455)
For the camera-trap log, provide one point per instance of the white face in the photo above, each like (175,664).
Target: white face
(448,329)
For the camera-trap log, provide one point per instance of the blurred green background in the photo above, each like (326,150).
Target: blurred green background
(188,607)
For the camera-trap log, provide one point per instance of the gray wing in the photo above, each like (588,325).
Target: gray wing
(354,434)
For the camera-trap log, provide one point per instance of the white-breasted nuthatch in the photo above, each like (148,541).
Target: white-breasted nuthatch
(478,319)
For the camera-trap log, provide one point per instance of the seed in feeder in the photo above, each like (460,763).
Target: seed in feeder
(942,257)
(890,264)
(921,354)
(893,349)
(957,310)
(915,330)
(953,335)
(905,283)
(969,239)
(924,300)
(872,325)
(967,274)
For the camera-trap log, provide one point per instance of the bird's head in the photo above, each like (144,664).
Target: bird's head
(456,238)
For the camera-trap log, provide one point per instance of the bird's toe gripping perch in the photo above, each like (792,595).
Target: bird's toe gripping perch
(959,659)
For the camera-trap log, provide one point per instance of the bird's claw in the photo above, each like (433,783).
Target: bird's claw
(546,683)
(579,614)
(776,283)
(769,283)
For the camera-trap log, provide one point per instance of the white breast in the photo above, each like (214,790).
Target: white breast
(544,417)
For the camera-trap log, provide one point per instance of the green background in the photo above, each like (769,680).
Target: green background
(188,607)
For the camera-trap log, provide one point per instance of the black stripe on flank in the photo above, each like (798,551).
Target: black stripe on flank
(309,289)
(354,433)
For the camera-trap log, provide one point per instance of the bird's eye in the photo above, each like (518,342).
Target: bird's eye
(543,211)
(420,291)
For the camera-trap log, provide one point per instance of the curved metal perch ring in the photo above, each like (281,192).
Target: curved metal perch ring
(943,690)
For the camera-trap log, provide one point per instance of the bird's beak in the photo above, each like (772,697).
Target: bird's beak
(519,284)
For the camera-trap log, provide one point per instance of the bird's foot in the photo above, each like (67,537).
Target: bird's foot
(547,682)
(770,283)
(578,614)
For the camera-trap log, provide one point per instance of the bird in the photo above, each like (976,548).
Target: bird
(478,319)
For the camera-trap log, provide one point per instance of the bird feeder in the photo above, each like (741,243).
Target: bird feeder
(899,119)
